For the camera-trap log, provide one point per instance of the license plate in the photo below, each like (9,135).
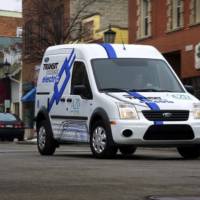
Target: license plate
(9,126)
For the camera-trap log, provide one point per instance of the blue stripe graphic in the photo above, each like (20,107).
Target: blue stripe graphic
(152,105)
(66,67)
(109,50)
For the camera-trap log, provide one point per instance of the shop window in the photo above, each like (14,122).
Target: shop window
(143,18)
(194,11)
(175,14)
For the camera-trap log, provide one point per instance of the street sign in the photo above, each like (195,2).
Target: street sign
(197,56)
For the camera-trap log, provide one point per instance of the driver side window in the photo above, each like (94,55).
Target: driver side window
(80,78)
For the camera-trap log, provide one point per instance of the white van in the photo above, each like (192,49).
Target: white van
(114,97)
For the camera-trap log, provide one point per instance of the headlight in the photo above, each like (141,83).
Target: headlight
(127,111)
(196,110)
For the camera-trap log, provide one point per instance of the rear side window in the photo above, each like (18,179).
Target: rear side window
(7,117)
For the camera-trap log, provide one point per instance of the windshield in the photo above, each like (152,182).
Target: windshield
(7,117)
(134,74)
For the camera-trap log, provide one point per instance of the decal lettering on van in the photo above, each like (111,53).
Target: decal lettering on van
(51,69)
(50,66)
(181,96)
(64,70)
(49,79)
(75,106)
(151,99)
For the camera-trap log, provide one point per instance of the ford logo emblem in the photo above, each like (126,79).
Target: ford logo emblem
(46,59)
(167,115)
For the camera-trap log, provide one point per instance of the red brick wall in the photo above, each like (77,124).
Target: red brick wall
(168,41)
(8,25)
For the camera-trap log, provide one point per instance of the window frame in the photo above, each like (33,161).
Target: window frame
(194,12)
(144,19)
(85,78)
(175,14)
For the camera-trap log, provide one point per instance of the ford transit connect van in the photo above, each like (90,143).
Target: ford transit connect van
(114,97)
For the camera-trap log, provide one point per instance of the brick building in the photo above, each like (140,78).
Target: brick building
(173,26)
(10,22)
(10,51)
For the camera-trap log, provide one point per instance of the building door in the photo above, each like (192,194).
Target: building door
(174,59)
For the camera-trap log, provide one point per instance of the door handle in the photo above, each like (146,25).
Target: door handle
(69,100)
(62,99)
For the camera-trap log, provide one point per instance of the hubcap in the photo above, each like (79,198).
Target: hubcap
(99,139)
(41,138)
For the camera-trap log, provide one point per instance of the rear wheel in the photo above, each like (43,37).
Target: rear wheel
(10,139)
(190,152)
(21,138)
(45,141)
(101,143)
(127,150)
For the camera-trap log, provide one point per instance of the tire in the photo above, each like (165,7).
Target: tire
(101,142)
(10,139)
(190,152)
(127,150)
(45,141)
(21,138)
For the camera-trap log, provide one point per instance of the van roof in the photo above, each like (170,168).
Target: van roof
(92,51)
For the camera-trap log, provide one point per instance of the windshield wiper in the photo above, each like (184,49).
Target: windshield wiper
(152,90)
(132,90)
(113,90)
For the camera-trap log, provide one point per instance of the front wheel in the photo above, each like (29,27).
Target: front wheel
(101,143)
(45,141)
(190,152)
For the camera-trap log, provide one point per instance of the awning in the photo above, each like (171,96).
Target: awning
(29,96)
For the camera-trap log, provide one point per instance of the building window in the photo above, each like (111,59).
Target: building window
(175,14)
(19,32)
(194,11)
(143,18)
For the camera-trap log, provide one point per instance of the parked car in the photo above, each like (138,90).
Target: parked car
(11,127)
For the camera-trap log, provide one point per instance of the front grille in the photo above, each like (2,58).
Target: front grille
(169,132)
(166,115)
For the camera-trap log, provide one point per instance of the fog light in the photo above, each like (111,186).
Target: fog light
(127,133)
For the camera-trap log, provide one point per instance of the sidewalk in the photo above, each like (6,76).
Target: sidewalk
(28,141)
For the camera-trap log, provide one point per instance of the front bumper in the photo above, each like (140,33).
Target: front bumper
(139,128)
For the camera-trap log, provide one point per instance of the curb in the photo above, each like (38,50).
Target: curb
(32,141)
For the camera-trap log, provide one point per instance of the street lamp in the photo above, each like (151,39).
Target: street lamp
(6,68)
(109,35)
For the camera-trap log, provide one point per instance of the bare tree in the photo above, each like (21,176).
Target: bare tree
(48,23)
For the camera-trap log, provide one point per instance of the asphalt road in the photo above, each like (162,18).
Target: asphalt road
(72,173)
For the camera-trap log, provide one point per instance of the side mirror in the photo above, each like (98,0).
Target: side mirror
(80,90)
(189,88)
